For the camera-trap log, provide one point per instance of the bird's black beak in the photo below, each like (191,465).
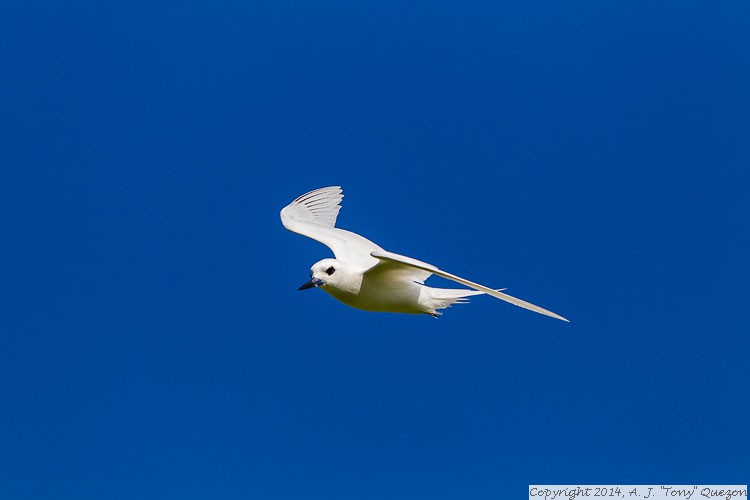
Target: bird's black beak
(312,283)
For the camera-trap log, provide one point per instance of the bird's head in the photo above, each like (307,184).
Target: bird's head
(325,272)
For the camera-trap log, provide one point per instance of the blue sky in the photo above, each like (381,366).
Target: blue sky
(590,156)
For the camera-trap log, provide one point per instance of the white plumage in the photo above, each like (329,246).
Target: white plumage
(365,276)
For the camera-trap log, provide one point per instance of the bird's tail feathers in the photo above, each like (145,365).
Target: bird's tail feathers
(446,297)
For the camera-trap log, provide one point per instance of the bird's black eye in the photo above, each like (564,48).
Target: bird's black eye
(330,271)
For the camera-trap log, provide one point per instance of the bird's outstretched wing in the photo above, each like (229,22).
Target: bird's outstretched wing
(391,258)
(314,215)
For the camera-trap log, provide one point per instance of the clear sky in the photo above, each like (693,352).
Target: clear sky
(590,156)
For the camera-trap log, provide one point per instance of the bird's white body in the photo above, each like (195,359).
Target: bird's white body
(375,290)
(365,276)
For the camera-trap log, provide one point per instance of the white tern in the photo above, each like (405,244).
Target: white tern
(365,276)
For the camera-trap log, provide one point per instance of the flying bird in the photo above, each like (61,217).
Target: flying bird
(365,276)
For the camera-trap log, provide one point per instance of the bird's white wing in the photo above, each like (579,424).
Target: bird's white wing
(314,215)
(390,257)
(391,270)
